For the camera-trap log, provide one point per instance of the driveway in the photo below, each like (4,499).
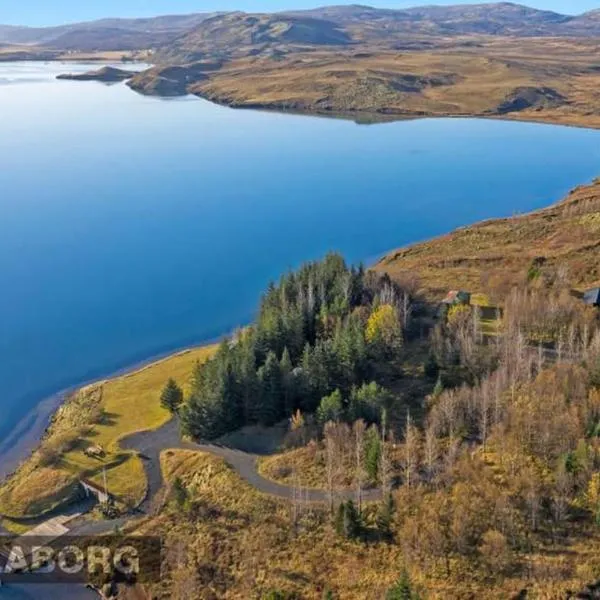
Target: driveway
(149,444)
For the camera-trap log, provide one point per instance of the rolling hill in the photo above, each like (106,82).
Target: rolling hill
(113,34)
(189,37)
(498,254)
(237,35)
(503,18)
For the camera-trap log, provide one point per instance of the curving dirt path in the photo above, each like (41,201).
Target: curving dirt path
(151,443)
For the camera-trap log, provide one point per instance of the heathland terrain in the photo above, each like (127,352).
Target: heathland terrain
(501,59)
(561,241)
(479,424)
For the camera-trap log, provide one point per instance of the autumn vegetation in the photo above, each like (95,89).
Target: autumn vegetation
(458,451)
(485,486)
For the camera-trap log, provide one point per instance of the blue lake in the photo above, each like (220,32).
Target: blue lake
(131,226)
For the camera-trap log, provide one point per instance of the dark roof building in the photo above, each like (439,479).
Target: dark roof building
(592,297)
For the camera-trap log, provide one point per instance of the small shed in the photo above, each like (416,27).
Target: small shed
(457,297)
(91,489)
(592,297)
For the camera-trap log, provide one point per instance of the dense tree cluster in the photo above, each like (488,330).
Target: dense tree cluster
(321,342)
(507,457)
(483,486)
(507,461)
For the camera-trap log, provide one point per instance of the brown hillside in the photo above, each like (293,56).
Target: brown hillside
(539,80)
(561,242)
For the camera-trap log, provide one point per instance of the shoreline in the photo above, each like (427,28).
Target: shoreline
(30,430)
(384,116)
(27,433)
(358,116)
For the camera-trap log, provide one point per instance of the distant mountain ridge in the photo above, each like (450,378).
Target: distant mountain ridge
(503,18)
(236,33)
(241,34)
(119,34)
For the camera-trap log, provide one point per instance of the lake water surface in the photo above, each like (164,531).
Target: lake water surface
(131,226)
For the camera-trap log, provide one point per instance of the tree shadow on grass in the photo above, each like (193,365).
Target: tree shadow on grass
(108,419)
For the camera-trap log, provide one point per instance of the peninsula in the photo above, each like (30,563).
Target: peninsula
(105,75)
(491,60)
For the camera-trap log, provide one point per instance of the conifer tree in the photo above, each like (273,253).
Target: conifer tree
(368,402)
(269,411)
(331,408)
(402,589)
(180,493)
(339,519)
(347,520)
(372,453)
(431,368)
(202,416)
(287,383)
(233,410)
(248,378)
(296,332)
(352,525)
(384,517)
(171,396)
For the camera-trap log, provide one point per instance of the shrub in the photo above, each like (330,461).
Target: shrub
(331,408)
(495,552)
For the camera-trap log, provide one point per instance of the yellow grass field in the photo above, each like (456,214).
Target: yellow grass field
(130,403)
(231,542)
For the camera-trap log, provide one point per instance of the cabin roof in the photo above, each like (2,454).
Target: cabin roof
(592,297)
(457,296)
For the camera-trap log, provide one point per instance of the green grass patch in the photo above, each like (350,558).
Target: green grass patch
(98,415)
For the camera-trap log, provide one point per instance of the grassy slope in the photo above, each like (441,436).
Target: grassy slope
(451,79)
(36,490)
(131,404)
(303,466)
(244,545)
(493,255)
